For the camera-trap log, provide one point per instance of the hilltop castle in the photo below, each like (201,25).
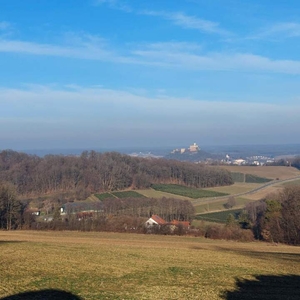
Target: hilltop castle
(193,149)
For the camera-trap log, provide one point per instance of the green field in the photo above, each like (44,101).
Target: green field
(128,194)
(136,267)
(218,205)
(104,196)
(249,178)
(236,188)
(238,177)
(292,183)
(151,193)
(186,191)
(123,194)
(256,179)
(219,217)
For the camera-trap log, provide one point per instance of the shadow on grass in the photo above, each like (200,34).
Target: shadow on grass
(10,242)
(279,256)
(266,287)
(43,295)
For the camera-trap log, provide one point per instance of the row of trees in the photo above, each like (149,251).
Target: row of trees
(167,208)
(11,210)
(276,218)
(15,214)
(295,162)
(98,172)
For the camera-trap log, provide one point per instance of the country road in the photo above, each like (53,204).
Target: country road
(196,202)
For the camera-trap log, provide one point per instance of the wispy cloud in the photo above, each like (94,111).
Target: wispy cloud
(179,55)
(4,25)
(115,4)
(76,46)
(190,22)
(183,57)
(178,18)
(278,31)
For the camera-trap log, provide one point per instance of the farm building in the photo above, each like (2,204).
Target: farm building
(184,224)
(157,222)
(81,207)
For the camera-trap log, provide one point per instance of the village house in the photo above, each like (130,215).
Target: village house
(156,222)
(81,209)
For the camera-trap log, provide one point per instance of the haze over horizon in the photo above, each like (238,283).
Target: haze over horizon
(120,73)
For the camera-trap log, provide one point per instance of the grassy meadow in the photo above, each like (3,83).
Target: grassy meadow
(271,172)
(186,191)
(219,217)
(236,188)
(218,205)
(130,266)
(127,194)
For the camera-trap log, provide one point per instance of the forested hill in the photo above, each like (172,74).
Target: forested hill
(96,172)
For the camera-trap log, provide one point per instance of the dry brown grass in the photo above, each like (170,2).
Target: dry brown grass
(218,205)
(265,192)
(236,188)
(151,193)
(271,172)
(129,266)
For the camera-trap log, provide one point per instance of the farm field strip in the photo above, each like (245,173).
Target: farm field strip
(265,171)
(290,183)
(236,188)
(255,194)
(219,217)
(127,194)
(129,266)
(187,191)
(218,205)
(151,193)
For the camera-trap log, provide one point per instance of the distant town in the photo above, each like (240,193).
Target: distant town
(235,156)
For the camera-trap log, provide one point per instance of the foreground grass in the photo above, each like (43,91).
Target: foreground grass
(129,266)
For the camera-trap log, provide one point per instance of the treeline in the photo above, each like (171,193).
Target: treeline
(12,211)
(122,215)
(276,218)
(273,219)
(15,214)
(294,162)
(98,172)
(167,208)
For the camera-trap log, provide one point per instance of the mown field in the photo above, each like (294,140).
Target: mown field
(292,183)
(216,205)
(122,194)
(186,191)
(128,194)
(219,217)
(271,172)
(130,266)
(249,178)
(236,188)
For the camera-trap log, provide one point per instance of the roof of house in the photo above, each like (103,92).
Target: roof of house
(158,220)
(183,223)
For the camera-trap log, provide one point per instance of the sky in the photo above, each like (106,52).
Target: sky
(133,73)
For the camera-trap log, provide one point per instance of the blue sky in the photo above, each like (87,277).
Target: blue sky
(114,73)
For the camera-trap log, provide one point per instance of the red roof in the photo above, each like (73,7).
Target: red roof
(183,223)
(158,220)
